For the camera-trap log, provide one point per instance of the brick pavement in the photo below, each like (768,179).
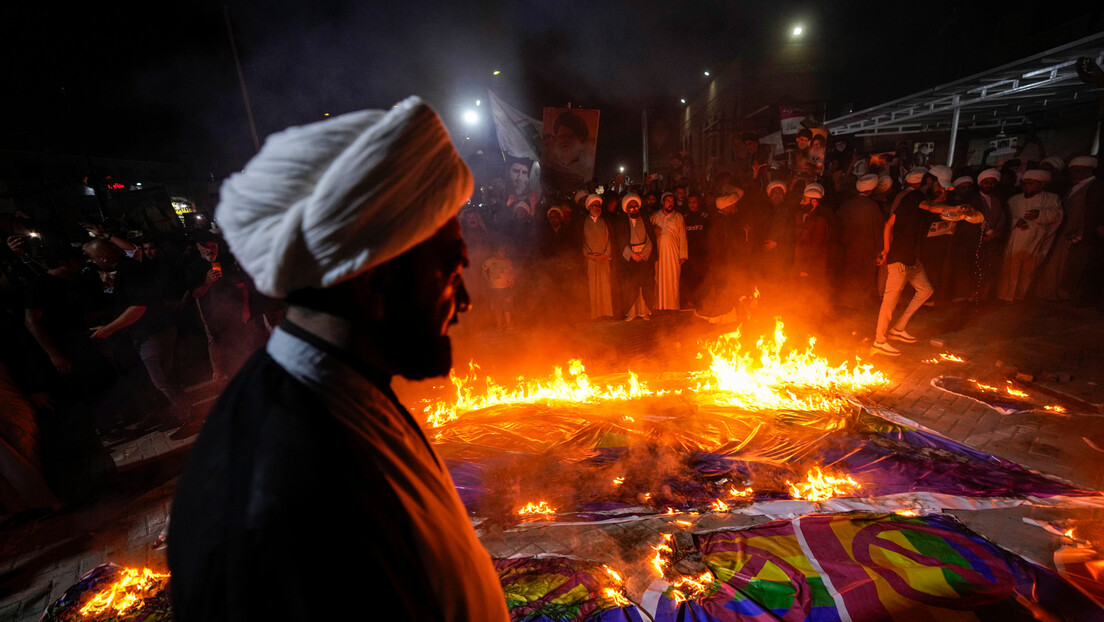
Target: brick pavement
(39,560)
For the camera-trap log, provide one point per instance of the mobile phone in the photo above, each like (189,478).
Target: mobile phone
(216,266)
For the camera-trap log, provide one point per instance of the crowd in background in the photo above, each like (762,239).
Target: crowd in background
(812,229)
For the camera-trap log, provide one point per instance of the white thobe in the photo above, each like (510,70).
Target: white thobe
(1028,246)
(671,243)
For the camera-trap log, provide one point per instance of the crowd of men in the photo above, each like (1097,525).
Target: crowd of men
(841,232)
(90,345)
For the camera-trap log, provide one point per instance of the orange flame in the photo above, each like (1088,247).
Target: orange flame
(954,358)
(126,594)
(613,574)
(617,481)
(575,386)
(687,588)
(820,487)
(770,376)
(719,506)
(1015,392)
(616,596)
(740,494)
(1054,408)
(658,562)
(541,507)
(684,523)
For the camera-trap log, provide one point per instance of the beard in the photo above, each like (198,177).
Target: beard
(414,351)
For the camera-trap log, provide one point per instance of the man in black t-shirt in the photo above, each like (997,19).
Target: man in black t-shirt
(142,317)
(906,225)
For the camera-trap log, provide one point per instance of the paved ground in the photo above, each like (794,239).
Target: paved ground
(1059,346)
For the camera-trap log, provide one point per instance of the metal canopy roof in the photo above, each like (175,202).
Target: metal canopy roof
(1029,90)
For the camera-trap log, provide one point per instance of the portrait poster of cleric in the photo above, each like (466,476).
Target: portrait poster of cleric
(567,151)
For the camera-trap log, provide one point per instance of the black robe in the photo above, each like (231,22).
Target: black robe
(285,511)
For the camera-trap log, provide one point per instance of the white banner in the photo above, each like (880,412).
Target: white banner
(519,135)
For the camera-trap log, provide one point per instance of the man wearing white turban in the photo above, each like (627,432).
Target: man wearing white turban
(861,233)
(1069,271)
(670,229)
(1036,215)
(308,460)
(598,250)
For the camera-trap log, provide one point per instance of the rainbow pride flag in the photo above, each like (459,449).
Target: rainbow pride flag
(866,567)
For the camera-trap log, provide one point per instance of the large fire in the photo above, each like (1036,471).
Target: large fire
(770,377)
(771,404)
(124,595)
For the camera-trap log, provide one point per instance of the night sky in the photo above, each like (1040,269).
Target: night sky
(156,81)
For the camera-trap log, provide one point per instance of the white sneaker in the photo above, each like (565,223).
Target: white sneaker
(901,335)
(883,347)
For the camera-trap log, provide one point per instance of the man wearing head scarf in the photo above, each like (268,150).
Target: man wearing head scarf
(861,230)
(935,247)
(1071,257)
(636,249)
(978,247)
(811,245)
(778,242)
(598,250)
(727,253)
(670,229)
(308,461)
(1036,215)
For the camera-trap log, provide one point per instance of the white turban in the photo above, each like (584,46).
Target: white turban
(776,184)
(324,202)
(814,191)
(916,175)
(866,183)
(631,196)
(942,174)
(592,198)
(1088,161)
(965,179)
(989,173)
(729,200)
(1055,162)
(580,194)
(1037,174)
(885,182)
(522,206)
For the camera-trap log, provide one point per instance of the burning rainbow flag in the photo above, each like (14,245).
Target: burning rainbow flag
(866,567)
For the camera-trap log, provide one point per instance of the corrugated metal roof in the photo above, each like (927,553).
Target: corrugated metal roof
(1026,91)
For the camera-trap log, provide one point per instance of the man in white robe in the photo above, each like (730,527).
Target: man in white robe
(1036,215)
(671,242)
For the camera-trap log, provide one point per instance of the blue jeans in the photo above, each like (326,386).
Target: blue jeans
(157,352)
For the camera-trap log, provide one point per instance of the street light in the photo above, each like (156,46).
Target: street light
(471,117)
(495,72)
(706,73)
(683,100)
(798,31)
